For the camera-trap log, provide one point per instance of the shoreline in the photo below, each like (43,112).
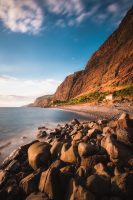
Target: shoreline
(85,156)
(99,111)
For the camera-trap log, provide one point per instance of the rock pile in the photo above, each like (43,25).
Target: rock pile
(77,161)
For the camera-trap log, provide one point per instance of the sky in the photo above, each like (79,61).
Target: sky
(43,41)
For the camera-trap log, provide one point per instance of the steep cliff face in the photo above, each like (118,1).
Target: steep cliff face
(110,66)
(43,101)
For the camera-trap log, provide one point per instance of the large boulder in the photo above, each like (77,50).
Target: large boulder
(125,136)
(124,121)
(37,196)
(50,183)
(99,185)
(122,185)
(77,192)
(29,184)
(69,154)
(78,136)
(91,161)
(116,151)
(39,154)
(100,169)
(56,149)
(86,149)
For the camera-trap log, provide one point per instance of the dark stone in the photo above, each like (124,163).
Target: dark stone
(99,185)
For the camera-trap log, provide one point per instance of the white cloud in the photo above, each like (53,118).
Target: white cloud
(29,89)
(84,15)
(21,15)
(14,101)
(113,7)
(69,7)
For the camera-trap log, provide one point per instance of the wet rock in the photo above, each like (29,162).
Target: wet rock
(50,183)
(75,121)
(122,185)
(39,154)
(30,183)
(69,154)
(37,196)
(77,192)
(99,185)
(86,149)
(41,134)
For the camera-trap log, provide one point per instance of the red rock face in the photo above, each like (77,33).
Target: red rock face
(43,101)
(111,65)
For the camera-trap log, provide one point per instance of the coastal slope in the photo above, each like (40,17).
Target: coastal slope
(109,67)
(43,101)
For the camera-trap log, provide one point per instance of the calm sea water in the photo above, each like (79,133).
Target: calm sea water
(18,122)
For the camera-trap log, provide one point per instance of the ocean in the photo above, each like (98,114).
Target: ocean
(18,126)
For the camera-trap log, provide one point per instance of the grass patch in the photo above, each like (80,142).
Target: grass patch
(96,96)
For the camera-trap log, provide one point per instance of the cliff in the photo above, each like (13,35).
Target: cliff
(109,67)
(43,101)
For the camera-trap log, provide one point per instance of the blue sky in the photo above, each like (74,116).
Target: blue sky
(42,41)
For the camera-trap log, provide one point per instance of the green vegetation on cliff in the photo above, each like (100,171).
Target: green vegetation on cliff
(97,96)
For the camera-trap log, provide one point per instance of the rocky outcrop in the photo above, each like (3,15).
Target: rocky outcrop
(111,65)
(43,101)
(62,168)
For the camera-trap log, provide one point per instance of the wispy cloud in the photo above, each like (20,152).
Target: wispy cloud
(21,16)
(29,89)
(27,16)
(69,7)
(84,15)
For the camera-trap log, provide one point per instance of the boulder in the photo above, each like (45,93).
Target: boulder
(37,196)
(77,192)
(78,136)
(99,185)
(56,149)
(13,167)
(50,183)
(82,172)
(29,184)
(125,136)
(122,185)
(12,188)
(100,169)
(92,133)
(91,161)
(115,150)
(86,149)
(108,130)
(39,154)
(69,155)
(124,121)
(3,177)
(75,121)
(66,173)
